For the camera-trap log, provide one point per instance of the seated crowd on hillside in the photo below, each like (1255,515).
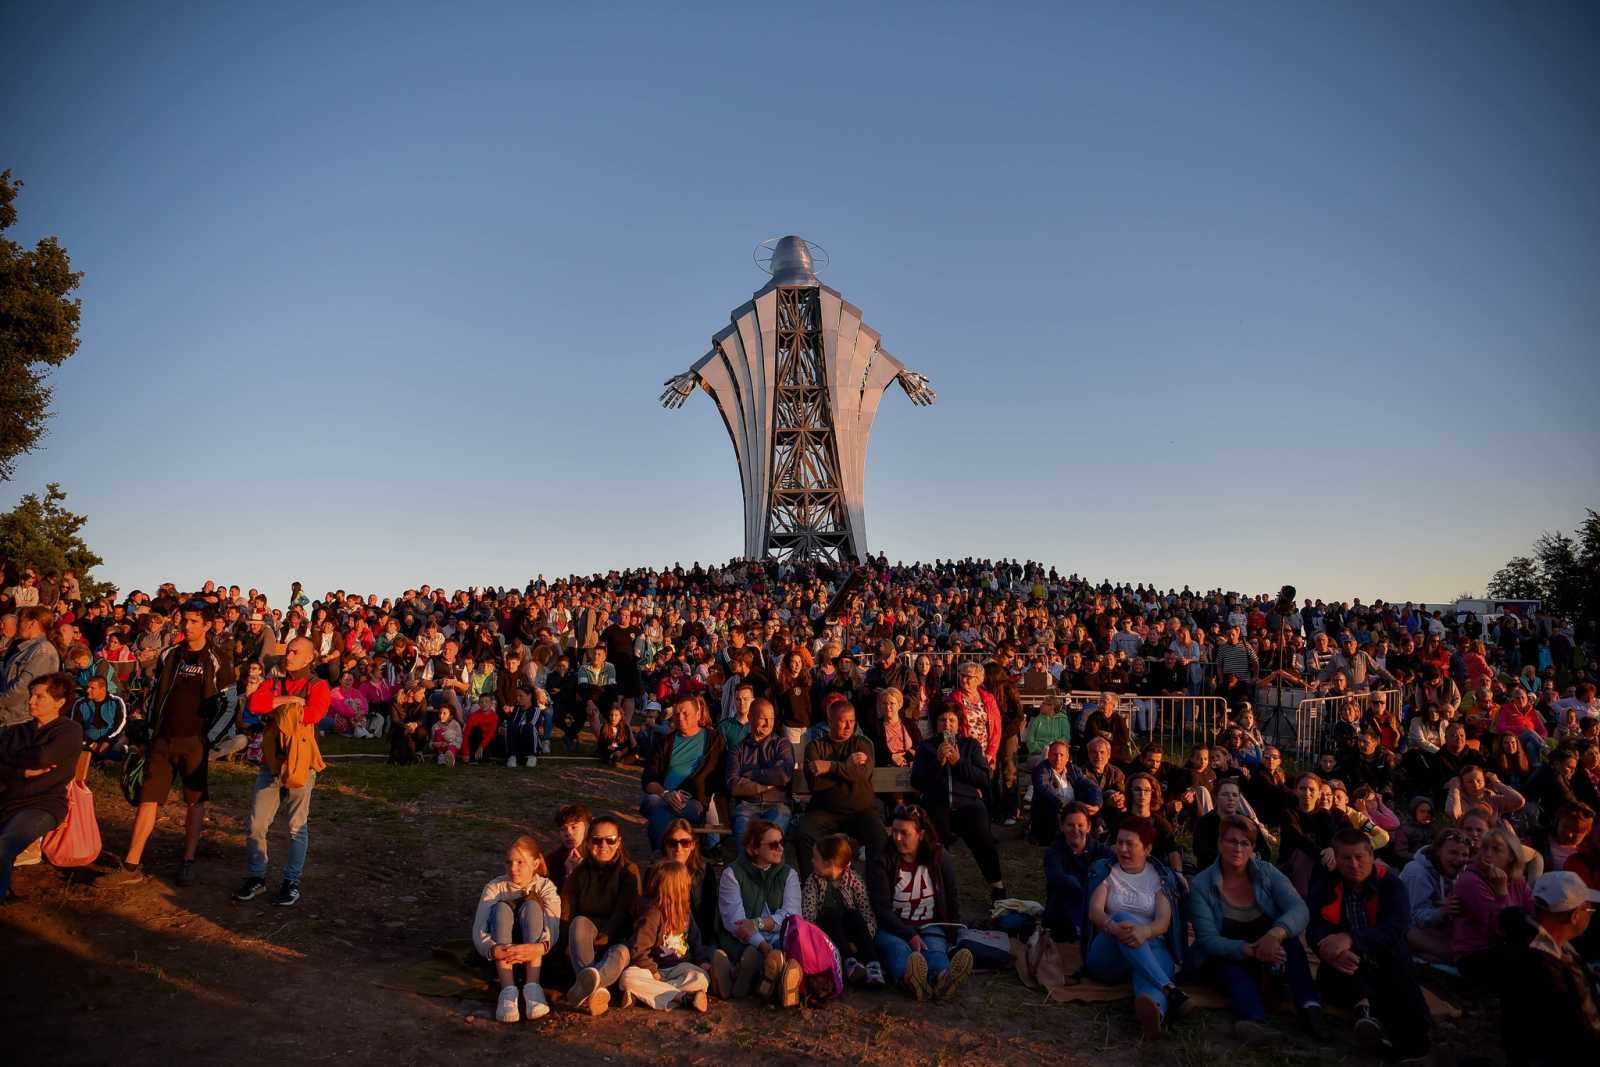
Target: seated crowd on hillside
(810,764)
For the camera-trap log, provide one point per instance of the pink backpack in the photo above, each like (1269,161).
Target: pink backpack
(76,842)
(806,944)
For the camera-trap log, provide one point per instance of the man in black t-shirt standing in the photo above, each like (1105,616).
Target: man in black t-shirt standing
(619,639)
(185,703)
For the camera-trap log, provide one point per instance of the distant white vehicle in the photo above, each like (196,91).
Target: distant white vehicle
(1489,611)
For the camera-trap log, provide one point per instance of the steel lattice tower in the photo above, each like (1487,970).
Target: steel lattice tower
(797,377)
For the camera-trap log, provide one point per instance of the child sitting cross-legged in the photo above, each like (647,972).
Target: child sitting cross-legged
(665,939)
(835,898)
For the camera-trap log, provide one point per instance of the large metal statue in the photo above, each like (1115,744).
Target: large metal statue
(797,377)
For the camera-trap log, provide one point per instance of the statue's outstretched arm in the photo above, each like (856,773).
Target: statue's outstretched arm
(678,389)
(916,387)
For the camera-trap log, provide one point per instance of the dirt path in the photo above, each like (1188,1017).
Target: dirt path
(158,974)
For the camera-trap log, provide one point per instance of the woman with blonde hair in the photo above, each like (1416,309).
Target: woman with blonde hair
(517,921)
(1488,885)
(665,940)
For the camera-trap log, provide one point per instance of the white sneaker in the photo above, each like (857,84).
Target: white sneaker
(511,761)
(538,1007)
(544,748)
(506,1010)
(531,761)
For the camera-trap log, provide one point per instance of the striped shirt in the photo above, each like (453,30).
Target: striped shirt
(1236,661)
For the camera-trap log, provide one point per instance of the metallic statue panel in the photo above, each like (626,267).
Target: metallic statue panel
(797,377)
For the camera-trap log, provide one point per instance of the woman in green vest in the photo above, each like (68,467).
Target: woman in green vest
(757,893)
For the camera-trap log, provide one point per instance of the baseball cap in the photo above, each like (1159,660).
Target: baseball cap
(1563,891)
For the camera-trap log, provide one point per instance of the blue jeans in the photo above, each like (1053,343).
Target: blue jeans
(20,831)
(777,814)
(1240,983)
(526,925)
(1149,965)
(268,795)
(658,813)
(895,951)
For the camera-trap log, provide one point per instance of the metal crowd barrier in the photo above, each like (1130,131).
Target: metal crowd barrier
(1172,722)
(1314,717)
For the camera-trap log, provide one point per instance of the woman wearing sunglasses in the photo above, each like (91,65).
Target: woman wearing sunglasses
(755,895)
(597,906)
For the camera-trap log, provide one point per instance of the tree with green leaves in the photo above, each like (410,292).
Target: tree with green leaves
(1518,580)
(38,330)
(41,533)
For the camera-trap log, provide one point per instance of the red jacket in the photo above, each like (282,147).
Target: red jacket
(312,689)
(1585,863)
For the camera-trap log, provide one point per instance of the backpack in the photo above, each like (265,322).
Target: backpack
(823,975)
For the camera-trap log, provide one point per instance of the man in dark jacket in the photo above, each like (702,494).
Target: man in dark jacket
(1548,1011)
(683,770)
(1066,876)
(839,769)
(186,703)
(1359,917)
(760,773)
(1056,784)
(951,774)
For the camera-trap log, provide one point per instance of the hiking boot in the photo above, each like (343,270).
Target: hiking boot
(771,969)
(587,994)
(1148,1012)
(721,975)
(288,894)
(249,889)
(1251,1032)
(533,995)
(745,976)
(917,976)
(950,981)
(789,985)
(1368,1031)
(1314,1024)
(506,1009)
(124,875)
(186,873)
(875,978)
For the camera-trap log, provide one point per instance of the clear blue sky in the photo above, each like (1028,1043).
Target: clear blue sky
(1229,294)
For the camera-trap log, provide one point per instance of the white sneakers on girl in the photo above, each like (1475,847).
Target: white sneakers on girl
(506,1010)
(538,1007)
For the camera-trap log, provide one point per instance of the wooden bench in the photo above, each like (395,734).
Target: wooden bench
(885,781)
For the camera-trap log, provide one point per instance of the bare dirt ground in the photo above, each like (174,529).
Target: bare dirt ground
(159,974)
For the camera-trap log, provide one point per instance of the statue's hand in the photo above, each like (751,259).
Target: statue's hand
(916,387)
(678,389)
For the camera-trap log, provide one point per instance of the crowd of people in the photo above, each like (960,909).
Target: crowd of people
(814,744)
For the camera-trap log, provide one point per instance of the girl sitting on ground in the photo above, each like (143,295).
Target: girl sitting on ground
(615,743)
(446,738)
(665,940)
(835,898)
(517,921)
